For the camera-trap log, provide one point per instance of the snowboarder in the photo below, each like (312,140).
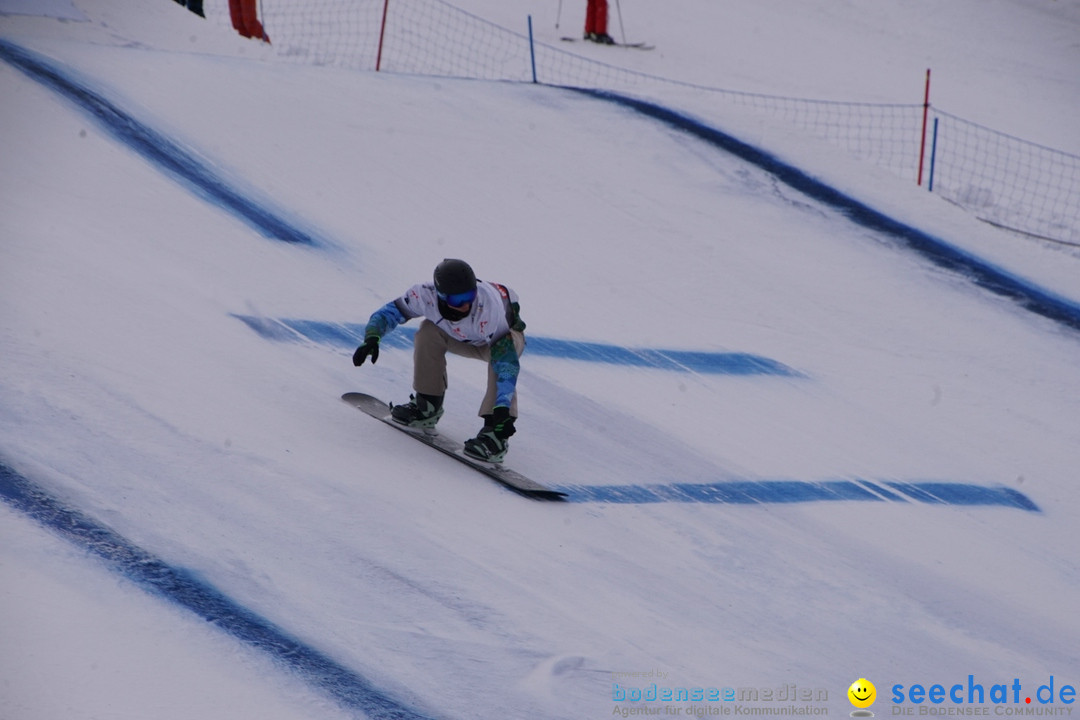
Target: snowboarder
(596,22)
(467,317)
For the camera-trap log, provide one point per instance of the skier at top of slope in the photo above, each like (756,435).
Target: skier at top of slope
(596,15)
(467,317)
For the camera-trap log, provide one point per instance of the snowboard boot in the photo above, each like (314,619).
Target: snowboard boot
(492,443)
(487,446)
(422,411)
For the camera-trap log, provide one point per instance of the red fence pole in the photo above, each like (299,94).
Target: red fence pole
(925,113)
(382,32)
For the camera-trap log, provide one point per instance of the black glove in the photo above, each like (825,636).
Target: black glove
(370,347)
(501,423)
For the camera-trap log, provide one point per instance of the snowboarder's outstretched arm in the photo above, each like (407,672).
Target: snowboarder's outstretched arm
(382,321)
(385,319)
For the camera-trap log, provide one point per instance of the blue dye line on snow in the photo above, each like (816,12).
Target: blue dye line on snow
(349,335)
(983,274)
(349,689)
(164,153)
(755,492)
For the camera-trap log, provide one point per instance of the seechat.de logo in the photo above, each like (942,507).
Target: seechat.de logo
(862,694)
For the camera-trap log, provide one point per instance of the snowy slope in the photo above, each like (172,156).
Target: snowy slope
(134,394)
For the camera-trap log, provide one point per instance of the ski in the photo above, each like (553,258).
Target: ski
(509,478)
(632,46)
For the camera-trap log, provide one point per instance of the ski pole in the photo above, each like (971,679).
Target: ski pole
(618,9)
(558,15)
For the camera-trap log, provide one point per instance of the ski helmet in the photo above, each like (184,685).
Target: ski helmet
(455,285)
(454,277)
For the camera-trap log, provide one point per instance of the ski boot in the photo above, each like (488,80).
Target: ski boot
(600,38)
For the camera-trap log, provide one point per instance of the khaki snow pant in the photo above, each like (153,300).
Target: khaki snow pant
(429,363)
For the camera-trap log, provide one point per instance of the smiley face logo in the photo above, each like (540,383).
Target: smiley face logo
(862,693)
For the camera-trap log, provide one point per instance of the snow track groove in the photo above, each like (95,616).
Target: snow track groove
(168,155)
(179,586)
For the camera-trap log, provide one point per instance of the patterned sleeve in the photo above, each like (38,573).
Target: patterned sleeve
(504,360)
(385,319)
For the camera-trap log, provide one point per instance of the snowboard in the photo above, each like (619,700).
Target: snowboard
(510,478)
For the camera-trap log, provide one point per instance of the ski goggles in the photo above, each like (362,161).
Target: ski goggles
(458,299)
